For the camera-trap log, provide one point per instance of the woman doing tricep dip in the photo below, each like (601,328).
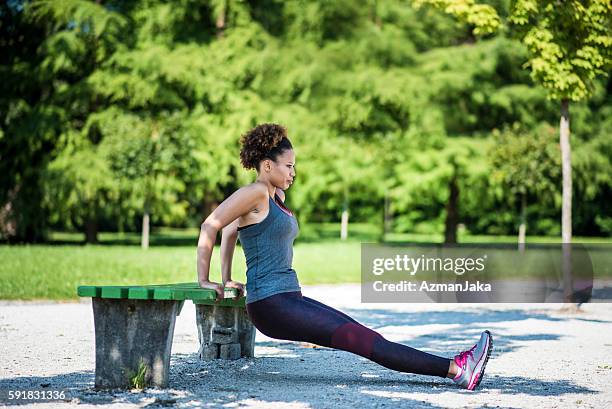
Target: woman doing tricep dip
(266,228)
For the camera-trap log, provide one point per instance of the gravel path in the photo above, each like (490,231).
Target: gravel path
(542,359)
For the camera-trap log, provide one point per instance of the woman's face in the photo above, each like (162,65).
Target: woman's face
(282,171)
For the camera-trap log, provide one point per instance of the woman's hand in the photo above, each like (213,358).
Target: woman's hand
(236,285)
(213,286)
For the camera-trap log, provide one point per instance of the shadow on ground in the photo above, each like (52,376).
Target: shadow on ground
(298,381)
(297,375)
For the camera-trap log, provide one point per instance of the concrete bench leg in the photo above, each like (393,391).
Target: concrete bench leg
(224,332)
(246,334)
(129,332)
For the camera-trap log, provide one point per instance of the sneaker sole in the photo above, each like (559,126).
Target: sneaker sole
(484,364)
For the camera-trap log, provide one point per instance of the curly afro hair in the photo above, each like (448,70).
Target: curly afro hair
(265,141)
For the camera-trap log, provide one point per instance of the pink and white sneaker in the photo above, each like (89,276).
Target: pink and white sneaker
(472,362)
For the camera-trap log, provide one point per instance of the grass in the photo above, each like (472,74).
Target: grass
(54,271)
(137,380)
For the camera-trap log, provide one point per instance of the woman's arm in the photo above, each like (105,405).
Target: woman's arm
(239,203)
(229,235)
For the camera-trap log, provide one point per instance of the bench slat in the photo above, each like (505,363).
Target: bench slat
(89,291)
(115,292)
(140,293)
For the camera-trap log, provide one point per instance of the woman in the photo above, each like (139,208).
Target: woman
(256,214)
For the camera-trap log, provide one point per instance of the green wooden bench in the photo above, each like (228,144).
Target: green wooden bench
(134,326)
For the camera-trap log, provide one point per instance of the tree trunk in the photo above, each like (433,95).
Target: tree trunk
(452,212)
(208,204)
(220,22)
(345,217)
(91,230)
(566,166)
(8,225)
(386,216)
(523,225)
(374,17)
(144,242)
(566,209)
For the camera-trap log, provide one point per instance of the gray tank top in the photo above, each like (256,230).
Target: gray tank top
(268,247)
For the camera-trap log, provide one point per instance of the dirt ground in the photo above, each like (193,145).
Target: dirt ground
(542,359)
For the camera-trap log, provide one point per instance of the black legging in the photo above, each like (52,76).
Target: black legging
(294,317)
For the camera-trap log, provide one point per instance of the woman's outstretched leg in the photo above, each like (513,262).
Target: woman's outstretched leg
(290,316)
(384,352)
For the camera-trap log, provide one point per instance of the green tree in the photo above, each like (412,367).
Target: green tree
(80,187)
(527,165)
(155,95)
(433,182)
(569,45)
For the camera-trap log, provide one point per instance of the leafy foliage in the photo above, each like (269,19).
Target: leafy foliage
(570,45)
(115,108)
